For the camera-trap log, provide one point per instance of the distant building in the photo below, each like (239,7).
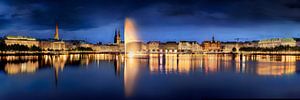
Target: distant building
(228,47)
(21,40)
(117,38)
(136,46)
(73,44)
(189,46)
(211,46)
(278,42)
(106,48)
(169,47)
(52,45)
(56,35)
(232,46)
(153,46)
(253,43)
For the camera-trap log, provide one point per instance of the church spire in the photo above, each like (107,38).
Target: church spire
(119,35)
(213,38)
(56,35)
(117,39)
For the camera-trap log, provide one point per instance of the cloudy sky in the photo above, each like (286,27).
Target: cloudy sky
(164,20)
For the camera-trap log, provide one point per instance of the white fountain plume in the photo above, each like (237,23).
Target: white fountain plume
(131,69)
(131,38)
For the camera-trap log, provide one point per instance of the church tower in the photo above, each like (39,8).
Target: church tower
(56,35)
(213,38)
(117,38)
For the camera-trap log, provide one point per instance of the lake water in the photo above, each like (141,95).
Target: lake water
(171,76)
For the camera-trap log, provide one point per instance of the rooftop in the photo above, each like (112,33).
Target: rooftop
(10,37)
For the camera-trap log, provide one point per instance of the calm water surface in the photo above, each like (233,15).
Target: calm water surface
(185,76)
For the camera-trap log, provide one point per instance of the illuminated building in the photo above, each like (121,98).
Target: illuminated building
(21,40)
(136,46)
(73,44)
(52,45)
(278,42)
(189,46)
(169,47)
(228,47)
(55,44)
(106,48)
(117,38)
(211,46)
(56,35)
(153,46)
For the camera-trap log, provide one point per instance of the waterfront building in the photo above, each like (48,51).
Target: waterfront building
(49,45)
(21,40)
(278,42)
(253,43)
(73,44)
(232,46)
(106,48)
(211,46)
(169,47)
(189,46)
(117,38)
(53,44)
(56,35)
(153,46)
(228,47)
(136,46)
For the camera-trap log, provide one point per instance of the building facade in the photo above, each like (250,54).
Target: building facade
(274,42)
(211,46)
(117,38)
(21,40)
(52,45)
(169,47)
(189,46)
(153,46)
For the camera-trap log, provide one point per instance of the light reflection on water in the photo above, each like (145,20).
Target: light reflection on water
(132,71)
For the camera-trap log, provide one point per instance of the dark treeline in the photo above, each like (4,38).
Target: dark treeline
(278,48)
(83,49)
(17,47)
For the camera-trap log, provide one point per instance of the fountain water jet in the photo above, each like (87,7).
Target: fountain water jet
(133,45)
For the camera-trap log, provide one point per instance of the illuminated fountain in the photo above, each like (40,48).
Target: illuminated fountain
(133,49)
(133,45)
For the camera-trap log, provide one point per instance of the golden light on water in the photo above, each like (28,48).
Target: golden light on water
(131,72)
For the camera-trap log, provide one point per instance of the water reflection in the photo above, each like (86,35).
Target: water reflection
(159,63)
(254,64)
(130,70)
(25,67)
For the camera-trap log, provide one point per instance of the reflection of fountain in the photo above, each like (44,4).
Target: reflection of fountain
(131,71)
(133,46)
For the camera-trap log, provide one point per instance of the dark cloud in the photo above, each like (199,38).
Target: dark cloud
(85,14)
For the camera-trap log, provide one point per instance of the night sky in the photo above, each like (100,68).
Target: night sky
(163,20)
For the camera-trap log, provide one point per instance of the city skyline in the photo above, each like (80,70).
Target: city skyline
(158,20)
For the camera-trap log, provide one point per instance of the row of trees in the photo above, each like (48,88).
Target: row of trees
(17,47)
(83,49)
(278,48)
